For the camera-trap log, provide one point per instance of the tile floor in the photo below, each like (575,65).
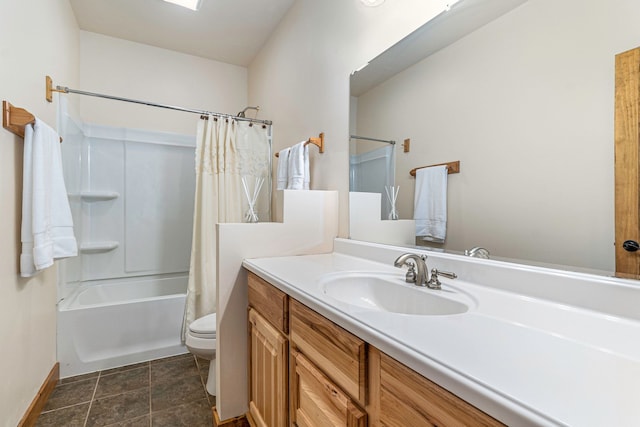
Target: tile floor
(163,392)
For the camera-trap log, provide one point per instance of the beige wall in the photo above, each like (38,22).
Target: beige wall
(37,38)
(526,105)
(301,76)
(132,70)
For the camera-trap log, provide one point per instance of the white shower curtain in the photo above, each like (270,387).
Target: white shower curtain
(226,151)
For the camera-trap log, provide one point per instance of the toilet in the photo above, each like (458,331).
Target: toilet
(201,341)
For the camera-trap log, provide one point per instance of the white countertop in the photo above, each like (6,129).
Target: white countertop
(524,360)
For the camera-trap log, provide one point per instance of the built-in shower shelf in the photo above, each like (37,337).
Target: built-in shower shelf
(98,247)
(95,196)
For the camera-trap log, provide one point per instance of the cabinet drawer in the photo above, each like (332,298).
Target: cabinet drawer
(317,401)
(269,301)
(339,354)
(405,398)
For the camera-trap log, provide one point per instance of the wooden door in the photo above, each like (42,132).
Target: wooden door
(627,163)
(268,373)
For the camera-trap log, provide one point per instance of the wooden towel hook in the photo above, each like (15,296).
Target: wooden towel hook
(14,119)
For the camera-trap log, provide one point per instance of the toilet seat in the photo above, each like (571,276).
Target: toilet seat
(204,327)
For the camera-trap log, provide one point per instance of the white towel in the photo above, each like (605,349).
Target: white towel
(47,226)
(430,203)
(307,174)
(298,174)
(283,169)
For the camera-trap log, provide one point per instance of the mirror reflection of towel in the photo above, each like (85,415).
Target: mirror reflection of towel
(283,169)
(430,203)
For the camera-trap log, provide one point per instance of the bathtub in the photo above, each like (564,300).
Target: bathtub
(109,323)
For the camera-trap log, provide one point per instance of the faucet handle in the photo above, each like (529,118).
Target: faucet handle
(434,282)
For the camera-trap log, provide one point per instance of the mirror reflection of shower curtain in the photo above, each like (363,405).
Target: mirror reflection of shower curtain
(369,173)
(226,152)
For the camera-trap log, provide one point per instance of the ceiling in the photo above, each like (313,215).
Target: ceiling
(231,31)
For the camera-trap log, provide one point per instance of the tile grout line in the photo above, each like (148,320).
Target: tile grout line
(93,395)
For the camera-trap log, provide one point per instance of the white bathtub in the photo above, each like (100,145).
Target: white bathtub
(106,324)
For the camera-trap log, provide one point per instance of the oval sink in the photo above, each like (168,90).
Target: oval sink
(390,294)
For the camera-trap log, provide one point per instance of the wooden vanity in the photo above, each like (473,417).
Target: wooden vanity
(304,370)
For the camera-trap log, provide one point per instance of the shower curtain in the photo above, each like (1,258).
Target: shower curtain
(226,152)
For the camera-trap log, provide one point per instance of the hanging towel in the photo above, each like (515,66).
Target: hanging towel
(283,169)
(298,175)
(307,175)
(430,203)
(47,226)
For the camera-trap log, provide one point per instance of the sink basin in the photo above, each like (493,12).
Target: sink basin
(391,293)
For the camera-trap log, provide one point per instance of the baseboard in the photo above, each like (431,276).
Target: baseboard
(33,412)
(240,421)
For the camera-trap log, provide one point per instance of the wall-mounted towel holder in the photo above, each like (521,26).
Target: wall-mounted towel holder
(14,119)
(318,142)
(452,167)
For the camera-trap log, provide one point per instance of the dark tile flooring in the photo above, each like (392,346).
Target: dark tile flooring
(164,392)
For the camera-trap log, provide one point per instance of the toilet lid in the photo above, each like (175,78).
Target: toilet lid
(204,325)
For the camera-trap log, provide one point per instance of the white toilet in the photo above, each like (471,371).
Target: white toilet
(201,341)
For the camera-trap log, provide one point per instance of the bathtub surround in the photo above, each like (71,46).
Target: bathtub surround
(310,220)
(133,215)
(122,300)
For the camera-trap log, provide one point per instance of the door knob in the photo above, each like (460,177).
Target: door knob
(630,245)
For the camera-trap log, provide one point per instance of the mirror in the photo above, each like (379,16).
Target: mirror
(521,93)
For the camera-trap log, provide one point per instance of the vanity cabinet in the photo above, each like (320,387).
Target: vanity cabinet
(307,371)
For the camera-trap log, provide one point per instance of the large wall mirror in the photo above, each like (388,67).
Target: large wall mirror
(522,94)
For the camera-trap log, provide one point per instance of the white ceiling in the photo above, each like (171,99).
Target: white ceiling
(231,31)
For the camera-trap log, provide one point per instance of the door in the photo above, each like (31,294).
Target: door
(627,168)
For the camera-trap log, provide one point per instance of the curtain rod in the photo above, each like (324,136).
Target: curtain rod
(64,89)
(373,139)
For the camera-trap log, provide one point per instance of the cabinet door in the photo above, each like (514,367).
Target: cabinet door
(401,397)
(268,350)
(317,402)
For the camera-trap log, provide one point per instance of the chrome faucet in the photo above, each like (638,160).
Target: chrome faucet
(421,277)
(477,252)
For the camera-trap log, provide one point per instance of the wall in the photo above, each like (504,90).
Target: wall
(156,75)
(37,38)
(310,225)
(301,75)
(526,104)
